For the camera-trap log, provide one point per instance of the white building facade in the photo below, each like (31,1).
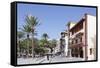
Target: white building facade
(64,43)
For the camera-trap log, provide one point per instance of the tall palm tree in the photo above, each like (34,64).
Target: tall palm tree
(19,36)
(32,22)
(27,30)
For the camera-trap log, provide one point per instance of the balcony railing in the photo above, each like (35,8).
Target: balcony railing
(81,31)
(76,43)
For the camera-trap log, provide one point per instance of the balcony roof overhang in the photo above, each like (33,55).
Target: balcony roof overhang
(80,22)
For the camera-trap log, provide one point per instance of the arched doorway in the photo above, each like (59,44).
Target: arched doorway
(76,52)
(81,52)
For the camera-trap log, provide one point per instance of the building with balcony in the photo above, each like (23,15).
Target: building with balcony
(82,38)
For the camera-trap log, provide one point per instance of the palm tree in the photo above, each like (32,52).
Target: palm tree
(19,36)
(32,22)
(45,36)
(27,30)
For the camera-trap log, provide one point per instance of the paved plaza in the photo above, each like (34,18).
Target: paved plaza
(44,60)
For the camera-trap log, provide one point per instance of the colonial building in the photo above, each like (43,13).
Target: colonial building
(82,38)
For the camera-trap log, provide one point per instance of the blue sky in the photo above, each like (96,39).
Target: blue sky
(53,19)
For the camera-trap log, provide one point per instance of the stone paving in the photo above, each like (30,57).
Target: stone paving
(62,59)
(29,60)
(44,60)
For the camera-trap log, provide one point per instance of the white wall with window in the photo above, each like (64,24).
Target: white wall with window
(91,35)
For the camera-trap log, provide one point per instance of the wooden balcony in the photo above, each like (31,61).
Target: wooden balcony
(75,45)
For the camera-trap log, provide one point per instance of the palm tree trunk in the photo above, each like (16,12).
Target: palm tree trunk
(27,45)
(28,48)
(32,46)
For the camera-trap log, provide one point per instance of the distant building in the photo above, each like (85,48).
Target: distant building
(82,38)
(64,44)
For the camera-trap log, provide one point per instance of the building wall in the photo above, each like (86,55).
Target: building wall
(83,37)
(66,45)
(91,35)
(83,40)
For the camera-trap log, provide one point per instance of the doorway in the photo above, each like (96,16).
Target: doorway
(81,52)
